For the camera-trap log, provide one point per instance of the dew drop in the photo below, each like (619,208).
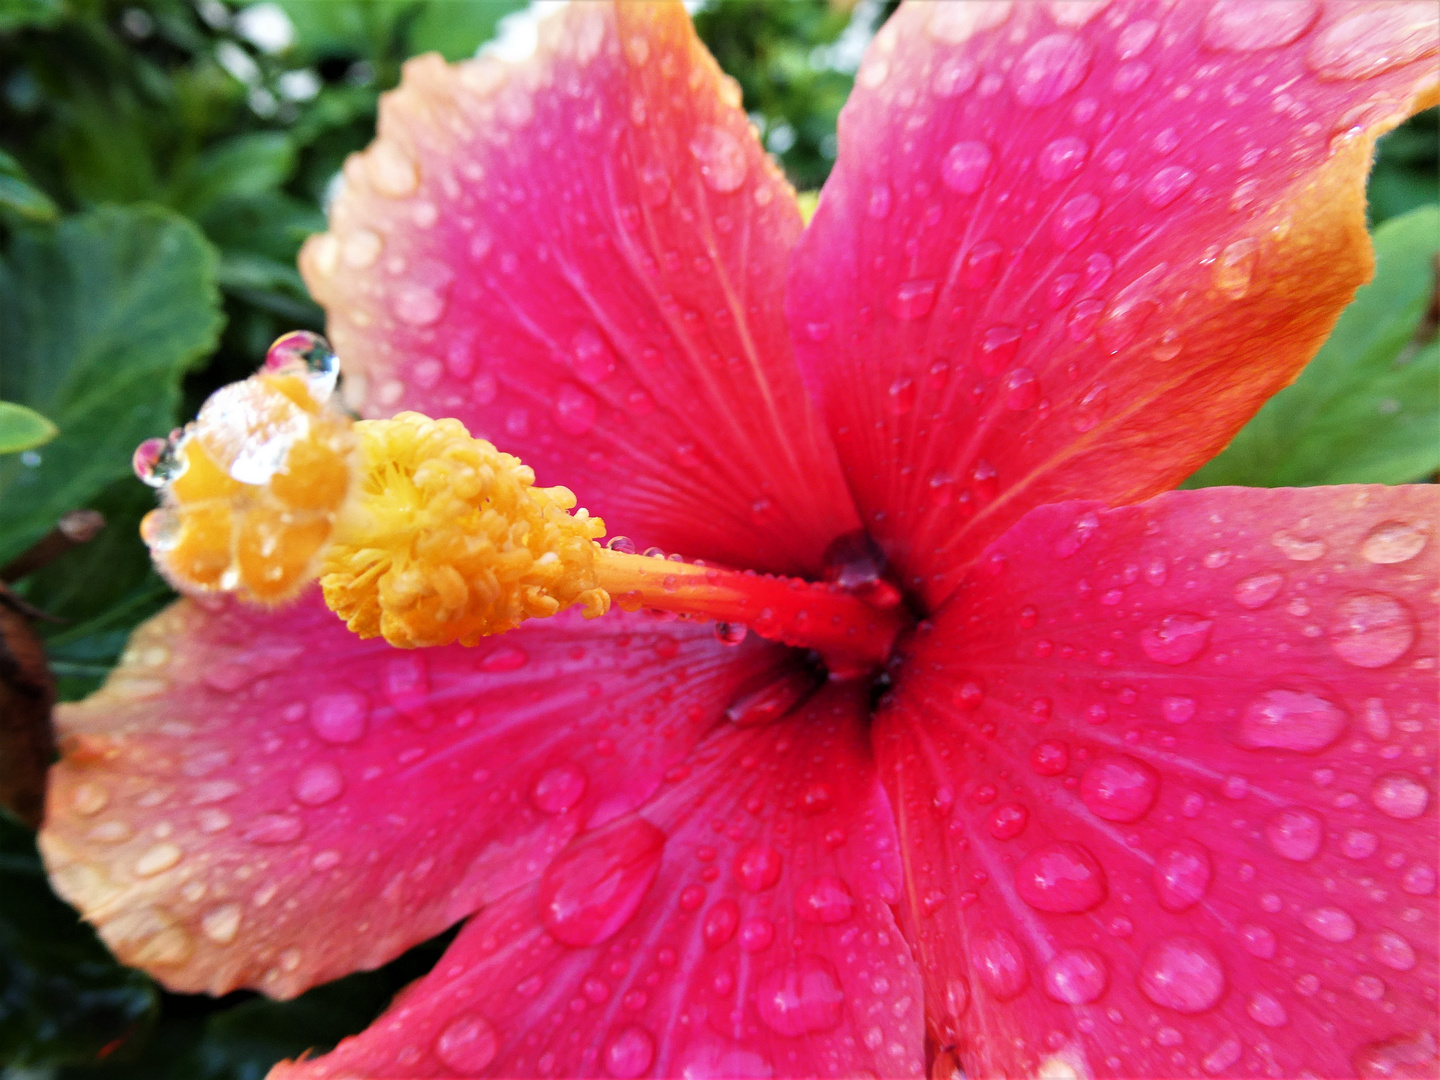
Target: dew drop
(629,1053)
(912,299)
(416,303)
(308,354)
(590,357)
(1295,834)
(318,783)
(1298,548)
(721,158)
(720,922)
(1008,821)
(275,829)
(999,964)
(756,934)
(1050,68)
(1257,590)
(1331,923)
(1060,877)
(1076,976)
(1074,220)
(824,899)
(1062,158)
(1223,1057)
(575,410)
(1166,185)
(982,263)
(1266,1011)
(1393,542)
(800,998)
(221,924)
(596,885)
(1178,709)
(1247,26)
(1375,40)
(1182,875)
(1177,640)
(1235,267)
(558,788)
(1359,844)
(1392,950)
(1050,758)
(157,859)
(1418,879)
(1182,973)
(1400,796)
(900,398)
(1298,720)
(965,166)
(1119,788)
(730,633)
(1022,389)
(1258,941)
(1371,630)
(757,867)
(392,171)
(467,1045)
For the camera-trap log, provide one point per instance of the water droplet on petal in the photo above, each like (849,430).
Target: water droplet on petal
(1299,548)
(1167,185)
(1418,879)
(1247,26)
(800,998)
(1073,221)
(1299,720)
(318,784)
(756,934)
(1178,709)
(222,924)
(575,410)
(965,167)
(1050,68)
(467,1045)
(391,169)
(824,899)
(1375,40)
(1022,389)
(1258,941)
(595,886)
(720,922)
(1119,788)
(1400,796)
(913,299)
(1076,976)
(1060,877)
(1331,923)
(1371,630)
(558,788)
(1257,590)
(275,829)
(1062,158)
(721,158)
(1393,951)
(1223,1057)
(1182,875)
(1177,640)
(1008,821)
(1295,834)
(1050,758)
(757,867)
(1182,973)
(1359,844)
(1266,1011)
(156,859)
(999,964)
(1393,542)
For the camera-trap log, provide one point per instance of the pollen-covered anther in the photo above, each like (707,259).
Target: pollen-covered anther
(448,540)
(251,488)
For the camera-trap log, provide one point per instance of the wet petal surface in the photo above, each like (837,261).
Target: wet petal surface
(265,800)
(1068,249)
(737,925)
(1226,863)
(582,257)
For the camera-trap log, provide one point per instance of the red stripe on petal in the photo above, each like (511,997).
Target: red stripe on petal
(1067,251)
(265,800)
(582,257)
(1217,711)
(738,925)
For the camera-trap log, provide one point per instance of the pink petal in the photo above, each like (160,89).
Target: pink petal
(582,257)
(1213,716)
(265,800)
(1069,249)
(738,925)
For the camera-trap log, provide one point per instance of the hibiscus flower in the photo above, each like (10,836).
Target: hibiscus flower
(1146,785)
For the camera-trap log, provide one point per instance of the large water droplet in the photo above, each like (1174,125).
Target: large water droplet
(1371,630)
(999,964)
(1392,950)
(1295,834)
(309,355)
(1248,26)
(558,788)
(591,357)
(1182,875)
(1074,220)
(1418,879)
(1060,877)
(757,867)
(1393,542)
(824,899)
(1331,923)
(1235,267)
(721,158)
(1258,941)
(1050,68)
(1062,158)
(912,299)
(1119,788)
(800,998)
(720,922)
(1266,1011)
(467,1045)
(594,887)
(1008,821)
(1050,758)
(1257,590)
(1299,720)
(1177,640)
(1375,40)
(629,1053)
(318,783)
(965,167)
(1076,976)
(1359,844)
(157,858)
(575,410)
(1400,796)
(1166,185)
(222,924)
(1022,389)
(1182,973)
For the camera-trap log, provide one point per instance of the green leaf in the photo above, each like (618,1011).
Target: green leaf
(1366,409)
(454,30)
(22,428)
(17,14)
(62,998)
(19,196)
(241,167)
(99,319)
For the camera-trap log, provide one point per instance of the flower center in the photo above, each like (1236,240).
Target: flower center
(426,536)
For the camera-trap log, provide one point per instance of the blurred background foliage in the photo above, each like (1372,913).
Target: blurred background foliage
(160,164)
